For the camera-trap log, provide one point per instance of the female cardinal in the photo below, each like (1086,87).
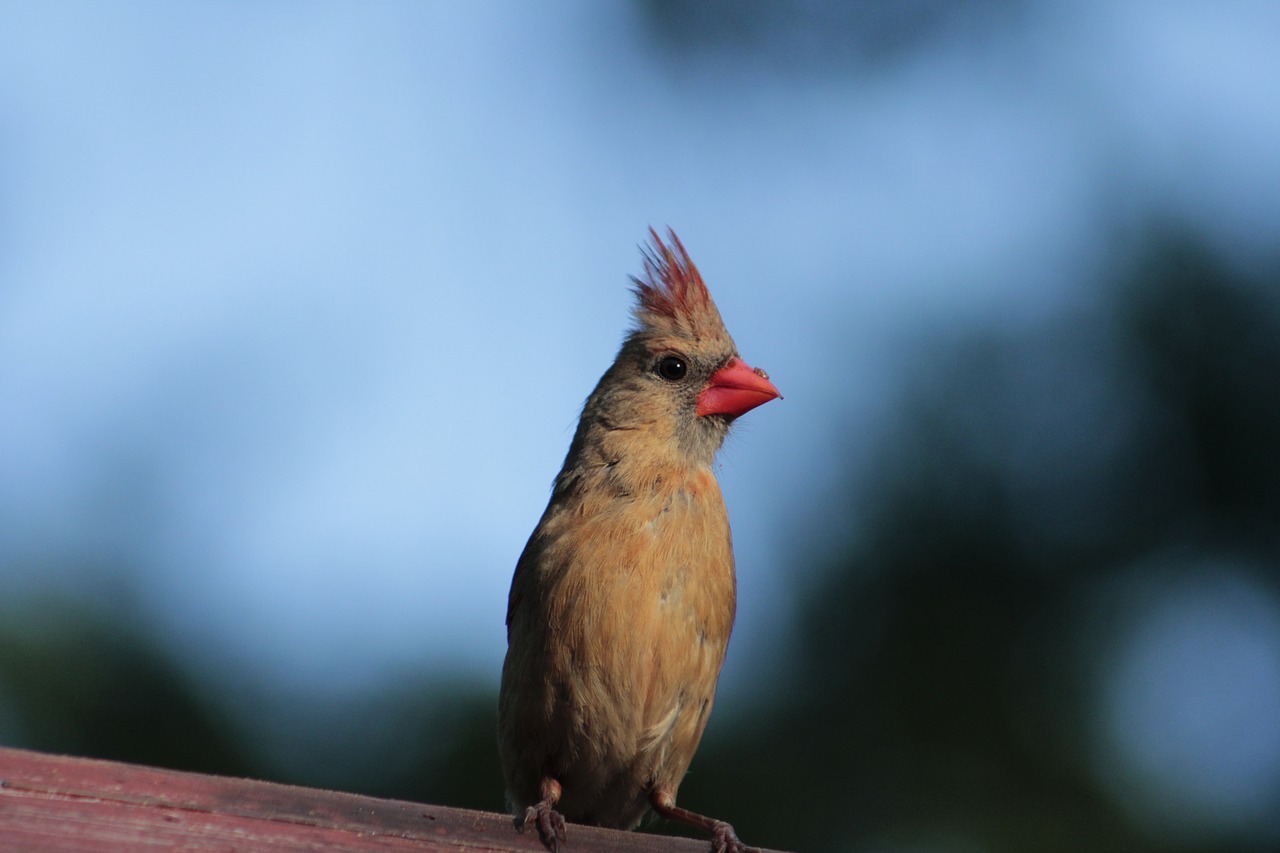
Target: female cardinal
(623,600)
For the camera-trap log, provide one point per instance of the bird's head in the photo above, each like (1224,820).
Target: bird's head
(678,375)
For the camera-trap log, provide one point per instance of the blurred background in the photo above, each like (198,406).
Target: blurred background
(298,303)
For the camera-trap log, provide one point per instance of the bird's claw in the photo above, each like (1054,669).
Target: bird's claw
(725,840)
(549,823)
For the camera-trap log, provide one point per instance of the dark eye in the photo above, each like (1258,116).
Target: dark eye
(672,367)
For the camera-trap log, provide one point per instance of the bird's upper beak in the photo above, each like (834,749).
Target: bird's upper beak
(735,389)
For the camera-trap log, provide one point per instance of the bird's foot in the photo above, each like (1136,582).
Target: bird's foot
(549,823)
(725,840)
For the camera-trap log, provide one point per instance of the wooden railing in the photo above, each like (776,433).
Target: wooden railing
(58,803)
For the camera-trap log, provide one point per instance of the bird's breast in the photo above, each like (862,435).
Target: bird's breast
(618,640)
(642,583)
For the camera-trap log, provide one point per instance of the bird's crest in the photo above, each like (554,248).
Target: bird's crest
(672,298)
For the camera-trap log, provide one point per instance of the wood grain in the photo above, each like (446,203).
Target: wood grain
(60,803)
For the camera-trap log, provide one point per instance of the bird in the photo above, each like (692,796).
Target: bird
(623,599)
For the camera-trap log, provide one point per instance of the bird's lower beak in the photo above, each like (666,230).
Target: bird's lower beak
(735,389)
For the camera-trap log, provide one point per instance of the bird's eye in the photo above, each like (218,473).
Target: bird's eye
(672,367)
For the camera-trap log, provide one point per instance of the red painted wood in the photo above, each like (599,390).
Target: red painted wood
(59,803)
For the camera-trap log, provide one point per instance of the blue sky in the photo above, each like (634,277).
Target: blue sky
(298,302)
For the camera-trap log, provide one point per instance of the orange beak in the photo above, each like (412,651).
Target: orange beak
(735,389)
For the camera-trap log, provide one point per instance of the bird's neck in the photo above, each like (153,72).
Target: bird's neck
(633,461)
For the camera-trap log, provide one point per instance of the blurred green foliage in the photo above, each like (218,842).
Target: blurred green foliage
(77,679)
(816,36)
(936,699)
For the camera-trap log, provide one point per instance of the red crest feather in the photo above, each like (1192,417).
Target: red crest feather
(672,296)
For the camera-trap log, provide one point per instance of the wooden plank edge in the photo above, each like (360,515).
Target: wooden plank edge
(64,800)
